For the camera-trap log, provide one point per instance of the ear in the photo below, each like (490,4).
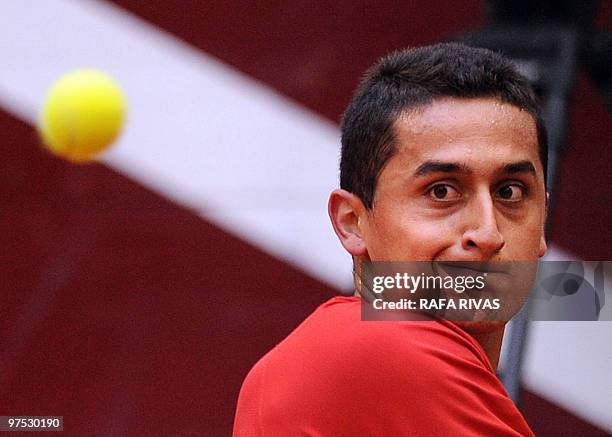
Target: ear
(543,245)
(345,212)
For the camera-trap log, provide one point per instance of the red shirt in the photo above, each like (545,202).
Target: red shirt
(336,375)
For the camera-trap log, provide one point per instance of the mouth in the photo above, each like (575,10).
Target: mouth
(475,266)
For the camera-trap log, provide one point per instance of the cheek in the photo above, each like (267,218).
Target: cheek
(523,242)
(404,239)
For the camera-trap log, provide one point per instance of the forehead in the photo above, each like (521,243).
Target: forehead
(480,130)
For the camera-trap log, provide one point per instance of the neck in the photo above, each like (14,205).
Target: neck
(490,338)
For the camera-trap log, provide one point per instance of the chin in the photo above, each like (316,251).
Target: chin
(481,327)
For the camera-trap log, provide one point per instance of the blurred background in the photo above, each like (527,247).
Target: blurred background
(137,292)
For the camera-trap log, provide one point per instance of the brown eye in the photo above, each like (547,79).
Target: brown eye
(512,193)
(443,192)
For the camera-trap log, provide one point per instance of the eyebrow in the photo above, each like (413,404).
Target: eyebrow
(430,167)
(520,167)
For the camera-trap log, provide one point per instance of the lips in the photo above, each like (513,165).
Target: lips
(476,266)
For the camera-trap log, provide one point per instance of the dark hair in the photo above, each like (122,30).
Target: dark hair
(411,78)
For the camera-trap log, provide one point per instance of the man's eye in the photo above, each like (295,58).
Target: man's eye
(443,192)
(511,193)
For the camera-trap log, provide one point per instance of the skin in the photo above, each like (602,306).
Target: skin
(476,209)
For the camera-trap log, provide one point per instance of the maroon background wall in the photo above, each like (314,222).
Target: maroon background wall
(114,304)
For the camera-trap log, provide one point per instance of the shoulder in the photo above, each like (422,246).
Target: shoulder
(338,375)
(337,371)
(333,345)
(335,331)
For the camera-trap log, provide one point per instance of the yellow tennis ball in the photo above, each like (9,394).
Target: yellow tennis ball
(82,115)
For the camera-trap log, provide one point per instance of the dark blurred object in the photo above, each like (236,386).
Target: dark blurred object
(575,13)
(597,58)
(594,46)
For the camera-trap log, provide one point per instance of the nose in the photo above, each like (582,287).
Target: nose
(482,237)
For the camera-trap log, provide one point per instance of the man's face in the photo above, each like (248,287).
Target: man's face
(466,184)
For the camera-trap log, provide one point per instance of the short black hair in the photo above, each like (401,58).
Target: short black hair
(412,78)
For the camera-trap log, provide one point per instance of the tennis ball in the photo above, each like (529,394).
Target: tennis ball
(82,115)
